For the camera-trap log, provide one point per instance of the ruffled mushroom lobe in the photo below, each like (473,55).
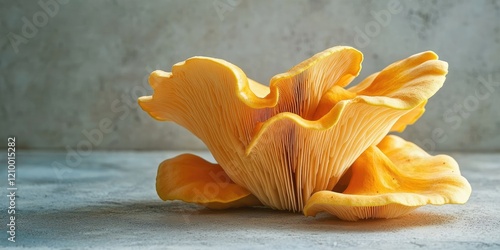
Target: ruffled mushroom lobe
(392,179)
(192,179)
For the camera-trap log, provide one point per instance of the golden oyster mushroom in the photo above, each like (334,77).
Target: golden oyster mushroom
(288,145)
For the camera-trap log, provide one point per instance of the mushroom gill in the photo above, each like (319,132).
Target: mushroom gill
(286,145)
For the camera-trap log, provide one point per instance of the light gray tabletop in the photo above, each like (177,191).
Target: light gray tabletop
(109,200)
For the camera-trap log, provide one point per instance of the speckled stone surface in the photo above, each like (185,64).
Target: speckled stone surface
(108,200)
(89,61)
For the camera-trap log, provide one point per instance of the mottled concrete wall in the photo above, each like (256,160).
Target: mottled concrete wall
(83,63)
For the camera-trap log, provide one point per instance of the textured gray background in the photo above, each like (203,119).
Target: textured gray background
(92,58)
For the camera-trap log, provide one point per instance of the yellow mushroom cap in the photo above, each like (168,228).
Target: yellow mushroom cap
(284,143)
